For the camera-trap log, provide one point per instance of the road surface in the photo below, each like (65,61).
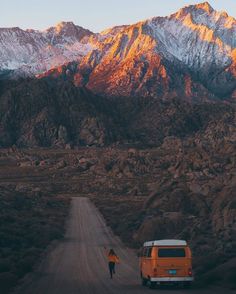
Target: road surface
(78,264)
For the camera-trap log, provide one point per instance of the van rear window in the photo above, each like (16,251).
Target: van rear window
(171,252)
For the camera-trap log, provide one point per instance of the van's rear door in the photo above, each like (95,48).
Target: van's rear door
(173,262)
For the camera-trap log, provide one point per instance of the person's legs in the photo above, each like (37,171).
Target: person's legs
(111,268)
(114,267)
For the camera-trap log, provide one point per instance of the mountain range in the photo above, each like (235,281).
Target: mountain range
(191,53)
(135,84)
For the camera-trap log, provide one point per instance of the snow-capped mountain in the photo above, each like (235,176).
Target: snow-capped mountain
(32,52)
(195,35)
(192,50)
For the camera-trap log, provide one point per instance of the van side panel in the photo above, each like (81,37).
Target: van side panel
(148,264)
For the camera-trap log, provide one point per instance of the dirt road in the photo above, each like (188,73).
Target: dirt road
(78,264)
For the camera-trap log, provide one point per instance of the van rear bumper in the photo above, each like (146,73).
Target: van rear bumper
(172,279)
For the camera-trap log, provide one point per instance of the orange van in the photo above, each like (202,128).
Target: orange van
(165,262)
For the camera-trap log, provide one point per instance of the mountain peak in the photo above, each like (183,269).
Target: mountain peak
(196,9)
(204,6)
(66,31)
(64,24)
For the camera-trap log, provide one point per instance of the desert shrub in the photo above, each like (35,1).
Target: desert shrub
(5,265)
(27,225)
(7,281)
(230,278)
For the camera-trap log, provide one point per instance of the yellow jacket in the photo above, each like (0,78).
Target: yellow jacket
(113,258)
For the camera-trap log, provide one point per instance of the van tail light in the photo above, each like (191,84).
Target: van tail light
(190,272)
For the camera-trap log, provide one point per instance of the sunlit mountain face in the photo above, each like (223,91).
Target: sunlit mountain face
(191,53)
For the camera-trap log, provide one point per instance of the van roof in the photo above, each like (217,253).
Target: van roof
(170,242)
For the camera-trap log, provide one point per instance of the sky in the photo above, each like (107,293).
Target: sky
(95,15)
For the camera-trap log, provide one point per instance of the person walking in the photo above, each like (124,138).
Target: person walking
(112,260)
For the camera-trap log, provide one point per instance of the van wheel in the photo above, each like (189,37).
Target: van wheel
(152,285)
(187,285)
(144,282)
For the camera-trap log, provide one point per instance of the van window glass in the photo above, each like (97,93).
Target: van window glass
(149,252)
(145,249)
(171,252)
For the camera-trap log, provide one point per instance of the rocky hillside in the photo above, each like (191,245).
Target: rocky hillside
(52,112)
(184,188)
